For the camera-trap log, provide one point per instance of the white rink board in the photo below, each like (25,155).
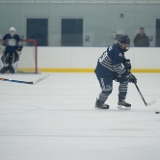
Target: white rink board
(86,57)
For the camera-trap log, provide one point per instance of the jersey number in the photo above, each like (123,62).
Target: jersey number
(105,53)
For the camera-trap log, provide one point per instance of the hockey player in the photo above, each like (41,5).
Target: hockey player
(12,47)
(113,65)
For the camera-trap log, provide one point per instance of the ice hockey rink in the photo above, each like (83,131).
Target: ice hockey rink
(55,119)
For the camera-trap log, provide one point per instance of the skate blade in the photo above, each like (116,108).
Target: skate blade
(124,108)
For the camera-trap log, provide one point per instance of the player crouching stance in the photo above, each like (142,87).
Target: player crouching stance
(113,65)
(12,47)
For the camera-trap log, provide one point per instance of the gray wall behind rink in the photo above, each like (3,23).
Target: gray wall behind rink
(100,20)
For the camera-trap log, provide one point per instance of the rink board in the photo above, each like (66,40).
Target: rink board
(84,59)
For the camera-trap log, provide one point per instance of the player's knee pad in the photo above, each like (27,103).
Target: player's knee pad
(122,79)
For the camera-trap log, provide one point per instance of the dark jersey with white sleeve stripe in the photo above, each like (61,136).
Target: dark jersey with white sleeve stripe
(111,61)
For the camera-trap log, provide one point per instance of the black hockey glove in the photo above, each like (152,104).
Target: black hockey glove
(131,78)
(127,64)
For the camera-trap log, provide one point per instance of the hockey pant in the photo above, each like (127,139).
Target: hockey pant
(9,62)
(106,84)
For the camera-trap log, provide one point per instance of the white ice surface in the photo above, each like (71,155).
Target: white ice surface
(55,119)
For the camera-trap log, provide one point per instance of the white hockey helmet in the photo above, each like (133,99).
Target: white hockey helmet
(12,31)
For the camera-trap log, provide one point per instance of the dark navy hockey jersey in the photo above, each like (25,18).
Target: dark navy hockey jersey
(111,61)
(12,43)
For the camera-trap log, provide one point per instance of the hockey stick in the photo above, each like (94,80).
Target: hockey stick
(25,82)
(40,79)
(146,104)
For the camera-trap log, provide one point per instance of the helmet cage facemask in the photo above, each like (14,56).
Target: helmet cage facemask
(12,31)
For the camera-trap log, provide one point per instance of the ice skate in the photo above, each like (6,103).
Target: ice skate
(123,105)
(101,105)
